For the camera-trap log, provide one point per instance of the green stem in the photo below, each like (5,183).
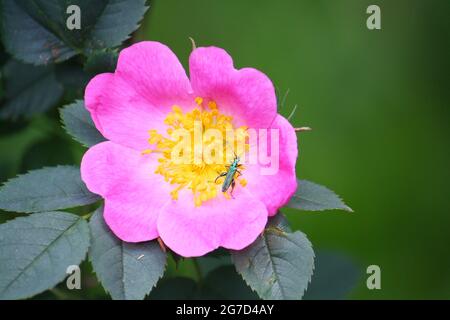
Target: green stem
(87,216)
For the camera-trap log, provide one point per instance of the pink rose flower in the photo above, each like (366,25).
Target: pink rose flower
(147,195)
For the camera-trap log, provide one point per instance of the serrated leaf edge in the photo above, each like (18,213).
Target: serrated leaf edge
(278,230)
(345,208)
(34,170)
(64,275)
(63,124)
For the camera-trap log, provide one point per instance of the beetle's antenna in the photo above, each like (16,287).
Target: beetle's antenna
(232,149)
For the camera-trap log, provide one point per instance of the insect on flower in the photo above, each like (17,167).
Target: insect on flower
(229,175)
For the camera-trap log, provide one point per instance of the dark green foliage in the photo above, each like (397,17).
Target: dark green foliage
(313,197)
(101,61)
(46,189)
(35,252)
(126,270)
(35,31)
(28,90)
(78,123)
(278,265)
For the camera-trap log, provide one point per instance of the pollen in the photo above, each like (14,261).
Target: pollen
(197,147)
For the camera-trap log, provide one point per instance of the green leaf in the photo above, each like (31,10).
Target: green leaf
(28,90)
(280,222)
(101,61)
(313,197)
(117,21)
(179,288)
(78,123)
(126,270)
(46,189)
(35,252)
(73,79)
(278,265)
(28,37)
(36,31)
(335,276)
(224,283)
(208,263)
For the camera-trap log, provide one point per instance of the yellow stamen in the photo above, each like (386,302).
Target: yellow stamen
(197,172)
(212,105)
(146,151)
(199,101)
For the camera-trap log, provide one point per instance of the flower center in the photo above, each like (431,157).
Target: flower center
(200,151)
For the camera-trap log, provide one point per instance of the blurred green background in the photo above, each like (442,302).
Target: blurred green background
(377,101)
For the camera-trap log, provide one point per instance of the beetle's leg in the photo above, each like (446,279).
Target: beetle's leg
(233,184)
(223,174)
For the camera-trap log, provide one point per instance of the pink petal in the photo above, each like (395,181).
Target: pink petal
(133,193)
(246,94)
(156,73)
(194,231)
(119,113)
(276,190)
(148,80)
